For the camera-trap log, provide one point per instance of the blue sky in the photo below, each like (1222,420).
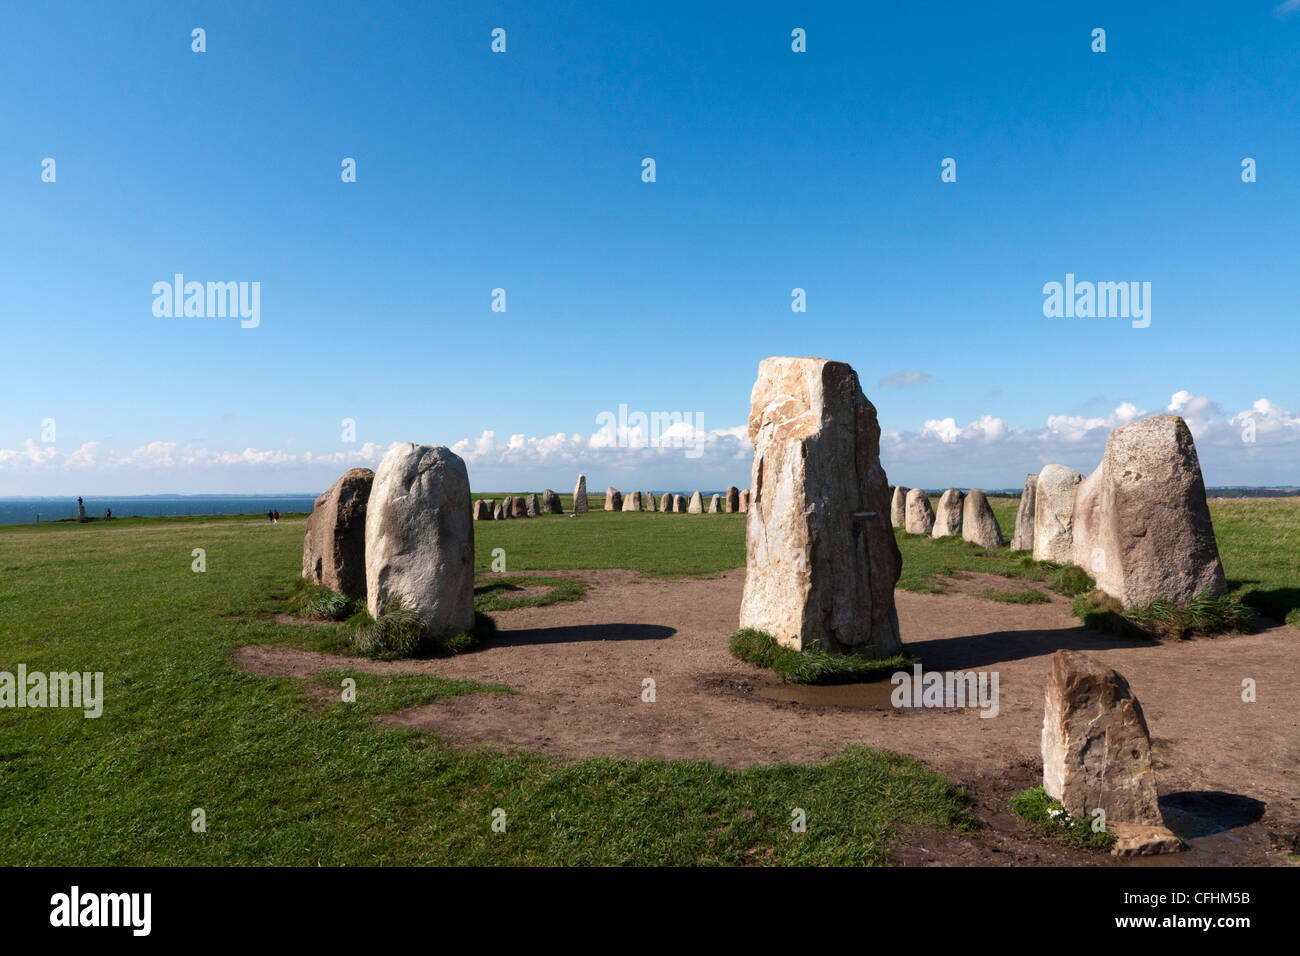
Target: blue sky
(522,170)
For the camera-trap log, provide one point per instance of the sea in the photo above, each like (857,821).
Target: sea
(32,510)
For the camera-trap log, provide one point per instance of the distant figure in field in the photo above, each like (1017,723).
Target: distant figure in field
(276,520)
(81,509)
(108,514)
(270,516)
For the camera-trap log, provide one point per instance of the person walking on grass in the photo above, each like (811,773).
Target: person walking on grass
(276,520)
(270,516)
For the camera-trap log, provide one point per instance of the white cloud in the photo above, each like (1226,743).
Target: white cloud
(903,379)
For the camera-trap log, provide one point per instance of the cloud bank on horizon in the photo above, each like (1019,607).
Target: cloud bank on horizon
(987,451)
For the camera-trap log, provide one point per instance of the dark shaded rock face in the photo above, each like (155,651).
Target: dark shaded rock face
(334,546)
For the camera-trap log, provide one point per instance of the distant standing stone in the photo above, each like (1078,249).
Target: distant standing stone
(580,496)
(920,516)
(666,503)
(947,517)
(979,525)
(715,505)
(648,501)
(551,503)
(632,501)
(1054,514)
(733,499)
(517,507)
(1142,525)
(531,507)
(334,546)
(744,499)
(613,499)
(898,506)
(483,509)
(507,507)
(696,507)
(1023,538)
(420,537)
(679,504)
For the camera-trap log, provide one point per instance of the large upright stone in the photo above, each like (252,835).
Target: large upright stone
(947,517)
(498,513)
(334,547)
(919,517)
(508,506)
(613,499)
(483,509)
(551,504)
(632,501)
(518,509)
(679,504)
(1054,514)
(580,496)
(979,525)
(531,506)
(420,539)
(715,505)
(666,502)
(821,562)
(1096,748)
(733,499)
(696,507)
(1142,526)
(648,501)
(898,507)
(1023,538)
(744,499)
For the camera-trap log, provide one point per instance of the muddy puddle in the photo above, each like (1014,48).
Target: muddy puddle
(873,696)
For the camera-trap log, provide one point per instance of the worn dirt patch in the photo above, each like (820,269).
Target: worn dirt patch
(578,670)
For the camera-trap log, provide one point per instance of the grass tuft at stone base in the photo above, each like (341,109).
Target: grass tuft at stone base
(1205,616)
(813,665)
(1036,807)
(399,632)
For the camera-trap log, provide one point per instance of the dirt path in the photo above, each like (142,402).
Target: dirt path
(1227,770)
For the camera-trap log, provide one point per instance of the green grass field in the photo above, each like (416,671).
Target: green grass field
(285,780)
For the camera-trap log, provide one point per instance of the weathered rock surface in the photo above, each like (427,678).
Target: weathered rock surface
(733,499)
(1054,513)
(483,509)
(1023,537)
(1142,525)
(518,509)
(715,505)
(334,546)
(1134,839)
(898,507)
(919,518)
(580,496)
(666,503)
(649,502)
(679,504)
(1096,747)
(531,506)
(821,561)
(498,513)
(507,507)
(420,537)
(632,502)
(613,499)
(947,517)
(744,499)
(696,507)
(979,525)
(551,503)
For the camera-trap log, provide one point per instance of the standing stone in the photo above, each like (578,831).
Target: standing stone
(979,525)
(947,519)
(919,518)
(1054,513)
(744,499)
(898,507)
(507,507)
(666,502)
(679,504)
(613,499)
(420,539)
(632,502)
(483,509)
(648,501)
(531,507)
(551,503)
(733,499)
(1142,525)
(518,509)
(1023,538)
(820,560)
(498,513)
(580,496)
(334,547)
(696,507)
(715,505)
(81,511)
(1096,748)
